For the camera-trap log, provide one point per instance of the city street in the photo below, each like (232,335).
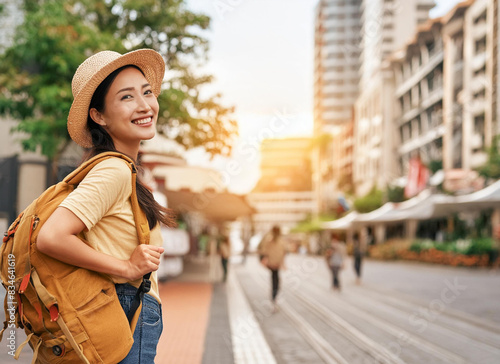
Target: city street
(401,313)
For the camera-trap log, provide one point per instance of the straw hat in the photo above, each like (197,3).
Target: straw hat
(93,71)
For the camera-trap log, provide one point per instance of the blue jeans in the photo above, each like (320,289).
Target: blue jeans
(148,329)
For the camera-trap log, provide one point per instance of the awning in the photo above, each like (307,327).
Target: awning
(488,197)
(215,206)
(344,223)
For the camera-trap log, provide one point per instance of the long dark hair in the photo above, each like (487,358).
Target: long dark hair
(102,142)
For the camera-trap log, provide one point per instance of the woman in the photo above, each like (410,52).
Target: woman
(335,257)
(225,253)
(272,251)
(115,107)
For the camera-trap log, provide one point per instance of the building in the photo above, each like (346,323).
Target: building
(478,90)
(446,90)
(453,35)
(285,165)
(386,26)
(336,78)
(336,62)
(418,72)
(283,196)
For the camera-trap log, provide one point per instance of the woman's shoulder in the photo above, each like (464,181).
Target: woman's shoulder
(115,168)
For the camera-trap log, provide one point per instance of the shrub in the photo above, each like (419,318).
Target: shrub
(480,246)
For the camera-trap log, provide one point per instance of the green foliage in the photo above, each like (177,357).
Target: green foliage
(435,165)
(480,246)
(311,224)
(491,169)
(56,36)
(420,245)
(396,194)
(477,246)
(372,201)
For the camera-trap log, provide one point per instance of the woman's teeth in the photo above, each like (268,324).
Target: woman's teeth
(142,121)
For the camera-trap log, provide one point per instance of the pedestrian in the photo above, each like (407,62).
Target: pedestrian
(359,250)
(115,107)
(335,257)
(225,253)
(272,251)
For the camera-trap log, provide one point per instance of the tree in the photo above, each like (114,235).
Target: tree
(491,169)
(56,36)
(372,201)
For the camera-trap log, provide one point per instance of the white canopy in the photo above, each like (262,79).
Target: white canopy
(422,207)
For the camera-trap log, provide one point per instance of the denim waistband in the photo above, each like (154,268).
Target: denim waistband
(125,289)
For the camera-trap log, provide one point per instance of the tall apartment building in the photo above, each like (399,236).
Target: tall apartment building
(478,93)
(386,26)
(283,195)
(419,94)
(446,89)
(496,56)
(336,78)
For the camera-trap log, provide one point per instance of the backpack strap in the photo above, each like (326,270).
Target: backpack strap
(141,222)
(140,219)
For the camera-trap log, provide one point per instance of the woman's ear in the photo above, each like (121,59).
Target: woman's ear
(97,117)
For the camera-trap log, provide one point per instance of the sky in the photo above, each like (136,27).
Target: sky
(261,55)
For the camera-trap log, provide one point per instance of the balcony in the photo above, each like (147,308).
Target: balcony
(479,30)
(478,159)
(477,106)
(478,61)
(479,83)
(417,76)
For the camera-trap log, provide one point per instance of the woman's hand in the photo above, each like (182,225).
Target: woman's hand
(144,259)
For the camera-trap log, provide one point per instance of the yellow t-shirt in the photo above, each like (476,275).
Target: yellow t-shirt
(102,202)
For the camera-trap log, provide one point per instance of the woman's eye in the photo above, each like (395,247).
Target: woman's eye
(148,92)
(124,97)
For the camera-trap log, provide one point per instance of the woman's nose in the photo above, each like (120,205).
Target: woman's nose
(143,105)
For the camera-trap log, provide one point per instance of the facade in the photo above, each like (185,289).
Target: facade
(336,62)
(496,56)
(419,97)
(283,195)
(478,91)
(446,90)
(387,26)
(453,84)
(23,176)
(336,78)
(285,165)
(284,209)
(11,16)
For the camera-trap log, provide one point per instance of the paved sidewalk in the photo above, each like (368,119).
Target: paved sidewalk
(185,309)
(196,325)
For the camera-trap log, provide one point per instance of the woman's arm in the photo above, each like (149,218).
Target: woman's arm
(58,239)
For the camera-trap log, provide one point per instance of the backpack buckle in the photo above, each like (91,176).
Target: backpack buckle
(146,285)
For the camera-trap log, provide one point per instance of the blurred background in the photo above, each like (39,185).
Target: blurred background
(373,122)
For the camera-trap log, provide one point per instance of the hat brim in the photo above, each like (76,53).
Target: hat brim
(151,64)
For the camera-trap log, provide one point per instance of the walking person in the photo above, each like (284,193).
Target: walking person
(225,253)
(272,251)
(359,250)
(335,257)
(115,107)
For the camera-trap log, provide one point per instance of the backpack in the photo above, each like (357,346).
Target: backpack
(69,314)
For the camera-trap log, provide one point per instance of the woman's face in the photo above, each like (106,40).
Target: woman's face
(130,110)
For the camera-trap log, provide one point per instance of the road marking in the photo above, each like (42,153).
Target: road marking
(249,344)
(413,340)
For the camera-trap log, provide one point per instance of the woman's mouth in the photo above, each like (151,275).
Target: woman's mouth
(142,121)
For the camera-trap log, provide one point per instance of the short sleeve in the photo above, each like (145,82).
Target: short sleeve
(107,184)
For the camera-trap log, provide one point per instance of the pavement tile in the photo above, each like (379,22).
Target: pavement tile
(186,307)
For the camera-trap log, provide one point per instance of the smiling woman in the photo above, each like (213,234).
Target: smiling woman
(129,111)
(115,107)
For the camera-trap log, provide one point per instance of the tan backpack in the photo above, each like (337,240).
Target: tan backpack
(69,314)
